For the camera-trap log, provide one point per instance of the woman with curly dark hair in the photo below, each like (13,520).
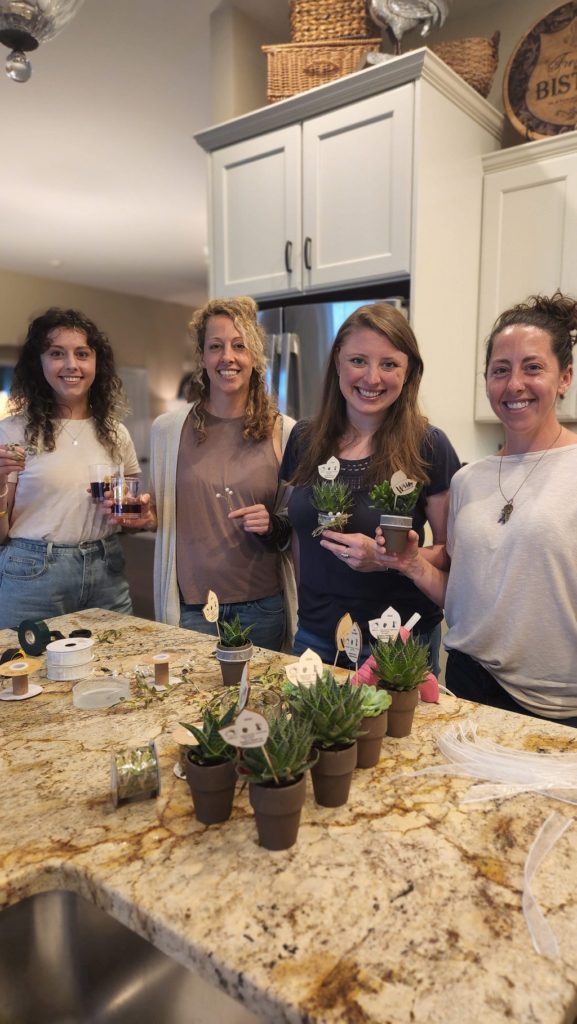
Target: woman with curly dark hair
(59,553)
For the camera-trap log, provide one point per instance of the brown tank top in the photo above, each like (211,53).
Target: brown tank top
(212,551)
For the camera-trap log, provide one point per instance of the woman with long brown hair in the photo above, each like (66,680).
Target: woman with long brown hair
(370,420)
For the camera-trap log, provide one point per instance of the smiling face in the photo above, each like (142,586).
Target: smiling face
(228,363)
(371,372)
(524,381)
(69,366)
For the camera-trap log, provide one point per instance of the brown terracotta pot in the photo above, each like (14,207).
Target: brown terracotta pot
(332,776)
(277,811)
(401,712)
(369,743)
(232,661)
(212,788)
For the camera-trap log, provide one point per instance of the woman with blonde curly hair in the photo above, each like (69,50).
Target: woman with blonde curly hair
(215,481)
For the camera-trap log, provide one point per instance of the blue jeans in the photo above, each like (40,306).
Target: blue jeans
(267,614)
(327,651)
(39,579)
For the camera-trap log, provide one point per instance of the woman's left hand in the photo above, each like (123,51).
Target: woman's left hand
(357,550)
(255,518)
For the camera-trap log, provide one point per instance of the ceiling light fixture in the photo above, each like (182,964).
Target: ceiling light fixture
(24,24)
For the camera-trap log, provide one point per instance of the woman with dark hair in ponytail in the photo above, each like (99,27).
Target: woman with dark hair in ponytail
(510,580)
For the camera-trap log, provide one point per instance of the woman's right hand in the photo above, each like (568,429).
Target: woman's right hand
(147,520)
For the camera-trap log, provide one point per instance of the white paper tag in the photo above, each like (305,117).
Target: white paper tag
(401,484)
(211,609)
(329,470)
(306,669)
(353,643)
(249,729)
(344,626)
(387,626)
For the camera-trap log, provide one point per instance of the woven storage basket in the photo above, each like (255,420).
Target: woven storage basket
(313,21)
(295,67)
(473,59)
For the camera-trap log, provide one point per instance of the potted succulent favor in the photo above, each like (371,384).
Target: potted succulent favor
(334,711)
(233,650)
(277,780)
(209,767)
(373,725)
(333,501)
(396,502)
(401,667)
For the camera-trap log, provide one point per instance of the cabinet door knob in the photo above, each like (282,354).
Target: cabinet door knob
(288,257)
(307,253)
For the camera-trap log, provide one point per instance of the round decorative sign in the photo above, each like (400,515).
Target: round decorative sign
(540,82)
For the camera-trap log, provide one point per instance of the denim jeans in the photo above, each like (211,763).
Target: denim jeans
(327,651)
(267,614)
(39,579)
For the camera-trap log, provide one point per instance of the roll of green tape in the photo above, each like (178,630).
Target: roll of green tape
(33,637)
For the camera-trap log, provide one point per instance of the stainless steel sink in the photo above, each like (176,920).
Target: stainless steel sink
(64,961)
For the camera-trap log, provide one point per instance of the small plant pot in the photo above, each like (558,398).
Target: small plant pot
(401,712)
(277,811)
(212,788)
(232,661)
(332,776)
(369,743)
(330,521)
(395,531)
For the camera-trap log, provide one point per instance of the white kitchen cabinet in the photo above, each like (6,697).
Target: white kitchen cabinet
(528,238)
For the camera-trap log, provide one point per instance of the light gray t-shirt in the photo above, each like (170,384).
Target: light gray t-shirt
(51,500)
(512,595)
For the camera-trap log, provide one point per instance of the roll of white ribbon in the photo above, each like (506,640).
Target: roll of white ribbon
(65,673)
(71,651)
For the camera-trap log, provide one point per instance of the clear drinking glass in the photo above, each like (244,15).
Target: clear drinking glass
(101,474)
(126,500)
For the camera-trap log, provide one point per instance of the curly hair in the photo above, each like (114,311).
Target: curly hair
(32,395)
(556,315)
(399,438)
(261,410)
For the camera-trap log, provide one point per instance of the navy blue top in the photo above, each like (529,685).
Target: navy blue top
(328,587)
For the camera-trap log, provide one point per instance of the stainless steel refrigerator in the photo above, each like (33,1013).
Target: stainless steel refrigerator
(299,339)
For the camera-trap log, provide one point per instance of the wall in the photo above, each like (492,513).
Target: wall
(143,332)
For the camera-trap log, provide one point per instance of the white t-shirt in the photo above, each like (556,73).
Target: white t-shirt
(51,501)
(512,595)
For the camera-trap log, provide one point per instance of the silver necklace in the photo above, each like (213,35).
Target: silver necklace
(508,507)
(77,435)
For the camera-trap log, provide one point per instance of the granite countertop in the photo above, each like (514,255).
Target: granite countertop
(403,905)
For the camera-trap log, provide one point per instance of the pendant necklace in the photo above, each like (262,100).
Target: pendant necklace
(508,508)
(78,433)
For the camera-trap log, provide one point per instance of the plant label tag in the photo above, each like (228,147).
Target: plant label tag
(344,626)
(412,622)
(401,484)
(387,627)
(211,609)
(244,688)
(306,669)
(249,729)
(353,643)
(329,470)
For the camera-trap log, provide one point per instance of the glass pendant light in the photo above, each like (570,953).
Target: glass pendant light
(24,24)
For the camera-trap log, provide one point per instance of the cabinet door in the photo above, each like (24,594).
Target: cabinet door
(528,247)
(357,190)
(256,215)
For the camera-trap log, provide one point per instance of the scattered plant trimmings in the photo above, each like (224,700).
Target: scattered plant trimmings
(333,500)
(210,746)
(285,756)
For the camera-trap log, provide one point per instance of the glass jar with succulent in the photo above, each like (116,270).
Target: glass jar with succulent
(209,766)
(395,503)
(233,649)
(373,725)
(333,500)
(401,667)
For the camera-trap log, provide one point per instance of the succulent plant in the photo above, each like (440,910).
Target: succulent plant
(333,496)
(288,749)
(232,634)
(383,497)
(333,709)
(210,748)
(400,665)
(375,701)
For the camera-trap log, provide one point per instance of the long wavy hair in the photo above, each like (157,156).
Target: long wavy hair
(32,395)
(261,410)
(399,439)
(557,315)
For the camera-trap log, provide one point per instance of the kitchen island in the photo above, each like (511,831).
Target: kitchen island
(402,906)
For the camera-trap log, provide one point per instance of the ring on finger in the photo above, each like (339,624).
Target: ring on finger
(345,553)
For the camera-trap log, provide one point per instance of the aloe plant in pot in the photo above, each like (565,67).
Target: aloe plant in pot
(334,711)
(373,725)
(333,501)
(233,650)
(209,767)
(276,774)
(401,667)
(396,518)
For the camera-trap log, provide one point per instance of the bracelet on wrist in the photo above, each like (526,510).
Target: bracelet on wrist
(3,512)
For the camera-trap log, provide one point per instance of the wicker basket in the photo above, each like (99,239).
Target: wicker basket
(295,67)
(314,21)
(474,59)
